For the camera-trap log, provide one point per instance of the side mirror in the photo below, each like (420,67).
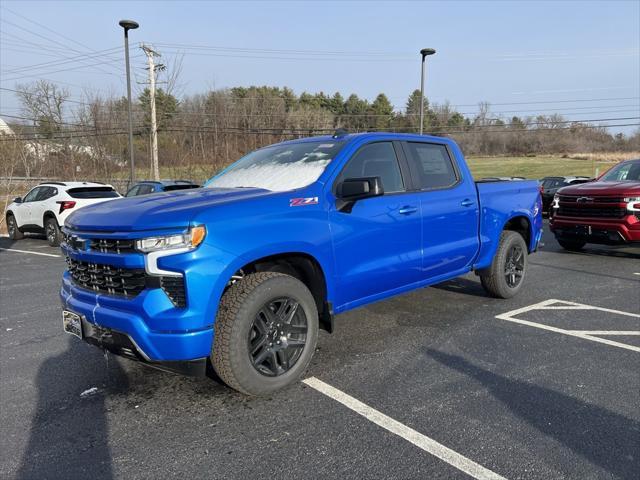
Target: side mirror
(17,200)
(353,189)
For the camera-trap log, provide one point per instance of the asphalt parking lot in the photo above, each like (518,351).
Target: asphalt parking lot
(440,383)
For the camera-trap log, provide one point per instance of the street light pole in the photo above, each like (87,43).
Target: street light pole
(129,25)
(424,52)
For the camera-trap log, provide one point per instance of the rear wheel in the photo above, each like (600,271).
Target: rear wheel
(52,230)
(12,228)
(572,245)
(505,276)
(265,333)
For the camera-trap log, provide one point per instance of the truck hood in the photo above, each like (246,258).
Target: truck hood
(156,211)
(615,189)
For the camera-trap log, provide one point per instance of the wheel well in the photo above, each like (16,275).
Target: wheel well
(522,226)
(9,212)
(49,214)
(306,269)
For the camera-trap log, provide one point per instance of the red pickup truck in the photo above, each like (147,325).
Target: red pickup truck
(605,211)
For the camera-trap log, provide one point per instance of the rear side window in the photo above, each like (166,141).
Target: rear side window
(92,192)
(145,189)
(46,192)
(376,160)
(432,165)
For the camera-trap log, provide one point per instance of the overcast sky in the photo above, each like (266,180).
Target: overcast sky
(581,58)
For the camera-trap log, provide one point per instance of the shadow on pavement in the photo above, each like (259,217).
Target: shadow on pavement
(602,437)
(69,434)
(464,286)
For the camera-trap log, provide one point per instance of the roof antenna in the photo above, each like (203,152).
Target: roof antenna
(340,132)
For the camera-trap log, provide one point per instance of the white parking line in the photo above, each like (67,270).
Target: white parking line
(553,304)
(421,441)
(636,273)
(26,251)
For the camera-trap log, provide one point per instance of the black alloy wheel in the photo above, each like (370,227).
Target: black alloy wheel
(277,336)
(514,266)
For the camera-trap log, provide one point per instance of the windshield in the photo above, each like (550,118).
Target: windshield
(278,168)
(625,172)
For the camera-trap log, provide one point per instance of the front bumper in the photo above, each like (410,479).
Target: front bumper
(160,330)
(123,345)
(133,317)
(616,231)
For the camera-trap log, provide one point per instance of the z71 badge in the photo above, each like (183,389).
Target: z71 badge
(301,202)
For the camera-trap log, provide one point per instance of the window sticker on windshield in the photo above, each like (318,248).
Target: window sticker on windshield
(326,145)
(301,202)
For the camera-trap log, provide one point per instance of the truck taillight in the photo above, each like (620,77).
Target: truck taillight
(66,205)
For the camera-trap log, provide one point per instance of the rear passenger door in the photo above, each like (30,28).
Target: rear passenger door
(449,206)
(377,243)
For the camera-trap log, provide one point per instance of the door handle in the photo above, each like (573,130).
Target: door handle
(467,203)
(407,210)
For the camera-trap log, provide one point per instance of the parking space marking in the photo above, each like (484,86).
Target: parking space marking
(421,441)
(27,251)
(553,304)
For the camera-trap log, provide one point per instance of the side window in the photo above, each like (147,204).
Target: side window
(133,192)
(376,160)
(32,195)
(433,166)
(145,189)
(46,193)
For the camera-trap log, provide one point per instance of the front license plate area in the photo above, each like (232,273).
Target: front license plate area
(72,323)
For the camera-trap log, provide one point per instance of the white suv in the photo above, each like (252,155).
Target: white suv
(46,206)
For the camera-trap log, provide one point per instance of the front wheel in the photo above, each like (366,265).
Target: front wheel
(52,231)
(265,333)
(505,276)
(12,228)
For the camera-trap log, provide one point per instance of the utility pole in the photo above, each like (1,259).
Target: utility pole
(129,25)
(150,53)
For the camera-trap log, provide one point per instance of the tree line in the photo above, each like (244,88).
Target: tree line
(199,134)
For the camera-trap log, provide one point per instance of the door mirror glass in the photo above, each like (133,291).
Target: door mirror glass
(353,189)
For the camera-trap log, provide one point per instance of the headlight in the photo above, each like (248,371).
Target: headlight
(633,203)
(556,201)
(190,240)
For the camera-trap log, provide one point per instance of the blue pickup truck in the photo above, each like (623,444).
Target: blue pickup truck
(241,274)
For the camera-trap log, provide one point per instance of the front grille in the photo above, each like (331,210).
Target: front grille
(574,199)
(174,288)
(126,282)
(592,212)
(107,245)
(102,245)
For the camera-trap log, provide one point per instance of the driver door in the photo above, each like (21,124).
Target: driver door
(377,244)
(23,211)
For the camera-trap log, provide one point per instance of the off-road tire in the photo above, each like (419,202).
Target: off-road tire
(238,307)
(52,231)
(571,245)
(493,279)
(14,232)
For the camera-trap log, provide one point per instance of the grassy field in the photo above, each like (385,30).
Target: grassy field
(537,167)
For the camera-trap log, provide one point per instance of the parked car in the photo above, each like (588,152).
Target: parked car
(149,186)
(242,273)
(550,186)
(45,208)
(605,211)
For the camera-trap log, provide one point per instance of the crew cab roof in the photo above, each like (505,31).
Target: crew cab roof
(368,135)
